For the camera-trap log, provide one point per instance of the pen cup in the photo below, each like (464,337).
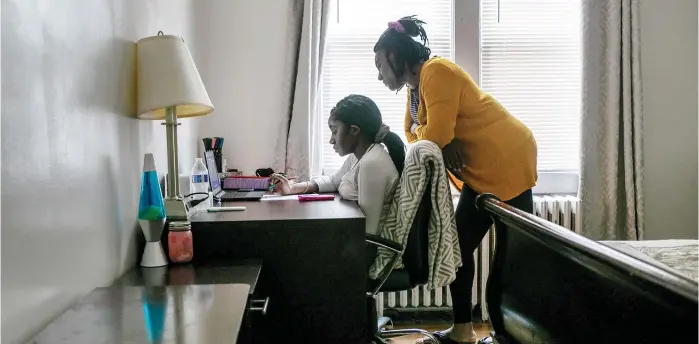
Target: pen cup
(218,157)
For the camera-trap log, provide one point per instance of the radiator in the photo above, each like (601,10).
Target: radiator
(561,210)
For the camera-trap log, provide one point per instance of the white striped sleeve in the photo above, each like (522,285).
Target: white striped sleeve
(329,184)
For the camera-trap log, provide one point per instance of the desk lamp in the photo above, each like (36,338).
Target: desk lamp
(169,86)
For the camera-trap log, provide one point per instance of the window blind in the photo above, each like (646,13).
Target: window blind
(348,64)
(531,63)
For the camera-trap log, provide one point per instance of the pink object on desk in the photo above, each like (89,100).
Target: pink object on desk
(311,198)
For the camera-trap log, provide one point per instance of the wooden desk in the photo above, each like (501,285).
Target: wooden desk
(137,314)
(314,269)
(220,272)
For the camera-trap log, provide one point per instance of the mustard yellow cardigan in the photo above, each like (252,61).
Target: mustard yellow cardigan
(500,150)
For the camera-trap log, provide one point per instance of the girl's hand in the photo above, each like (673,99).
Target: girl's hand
(281,184)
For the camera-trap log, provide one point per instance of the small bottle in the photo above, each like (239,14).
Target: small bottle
(180,245)
(199,179)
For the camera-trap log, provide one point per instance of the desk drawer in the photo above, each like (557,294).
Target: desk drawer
(254,327)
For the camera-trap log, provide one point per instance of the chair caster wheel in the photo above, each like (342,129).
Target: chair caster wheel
(486,340)
(385,323)
(379,340)
(492,339)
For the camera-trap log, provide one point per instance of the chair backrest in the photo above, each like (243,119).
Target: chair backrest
(415,255)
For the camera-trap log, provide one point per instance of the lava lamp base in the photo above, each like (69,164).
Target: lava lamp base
(153,255)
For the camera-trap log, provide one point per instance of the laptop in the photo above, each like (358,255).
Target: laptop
(217,190)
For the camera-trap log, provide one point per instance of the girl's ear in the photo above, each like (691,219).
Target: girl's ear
(390,56)
(354,130)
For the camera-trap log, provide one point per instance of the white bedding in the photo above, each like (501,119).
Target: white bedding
(679,255)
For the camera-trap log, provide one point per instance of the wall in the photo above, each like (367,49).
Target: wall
(71,153)
(669,72)
(244,53)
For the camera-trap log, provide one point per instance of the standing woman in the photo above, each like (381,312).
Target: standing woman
(485,148)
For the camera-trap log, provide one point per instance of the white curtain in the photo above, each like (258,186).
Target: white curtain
(611,129)
(299,151)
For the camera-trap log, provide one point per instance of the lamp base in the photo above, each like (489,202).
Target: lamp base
(175,209)
(153,255)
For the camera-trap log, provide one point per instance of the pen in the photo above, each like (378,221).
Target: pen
(273,185)
(222,209)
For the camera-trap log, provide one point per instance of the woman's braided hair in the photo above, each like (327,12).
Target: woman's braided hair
(398,40)
(361,111)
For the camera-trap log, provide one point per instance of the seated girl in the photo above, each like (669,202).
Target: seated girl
(357,131)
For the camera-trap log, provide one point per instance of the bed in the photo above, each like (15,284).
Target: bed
(679,255)
(550,285)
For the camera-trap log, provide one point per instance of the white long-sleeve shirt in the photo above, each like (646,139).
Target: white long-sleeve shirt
(366,181)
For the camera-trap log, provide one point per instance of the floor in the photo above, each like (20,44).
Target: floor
(482,330)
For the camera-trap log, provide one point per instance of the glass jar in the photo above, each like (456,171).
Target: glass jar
(180,246)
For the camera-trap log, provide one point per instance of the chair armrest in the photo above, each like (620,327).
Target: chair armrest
(392,246)
(383,242)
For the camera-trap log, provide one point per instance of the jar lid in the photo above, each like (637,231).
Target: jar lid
(179,226)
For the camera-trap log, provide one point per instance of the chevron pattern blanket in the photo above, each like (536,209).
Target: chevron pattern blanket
(424,166)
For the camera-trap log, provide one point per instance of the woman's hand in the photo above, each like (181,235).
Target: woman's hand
(454,158)
(281,184)
(284,186)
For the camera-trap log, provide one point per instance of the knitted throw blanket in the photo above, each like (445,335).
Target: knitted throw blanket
(424,166)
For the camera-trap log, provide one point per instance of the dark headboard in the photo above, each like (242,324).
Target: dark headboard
(550,285)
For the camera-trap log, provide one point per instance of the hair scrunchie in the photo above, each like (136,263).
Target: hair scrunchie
(381,134)
(396,26)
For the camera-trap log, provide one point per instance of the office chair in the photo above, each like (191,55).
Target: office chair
(414,273)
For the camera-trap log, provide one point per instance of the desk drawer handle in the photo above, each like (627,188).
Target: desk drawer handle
(259,305)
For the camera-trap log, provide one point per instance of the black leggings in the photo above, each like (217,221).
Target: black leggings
(472,225)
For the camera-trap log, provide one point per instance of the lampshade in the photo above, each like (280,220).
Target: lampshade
(167,76)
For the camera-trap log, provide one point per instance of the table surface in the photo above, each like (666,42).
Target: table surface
(246,271)
(170,314)
(283,209)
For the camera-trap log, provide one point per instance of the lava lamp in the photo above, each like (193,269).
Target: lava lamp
(151,215)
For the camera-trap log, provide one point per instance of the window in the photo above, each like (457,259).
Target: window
(526,53)
(348,64)
(531,63)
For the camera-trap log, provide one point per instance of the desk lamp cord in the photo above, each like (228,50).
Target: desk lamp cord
(193,203)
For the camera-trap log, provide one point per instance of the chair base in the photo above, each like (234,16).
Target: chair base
(486,340)
(385,323)
(492,339)
(384,335)
(378,340)
(384,327)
